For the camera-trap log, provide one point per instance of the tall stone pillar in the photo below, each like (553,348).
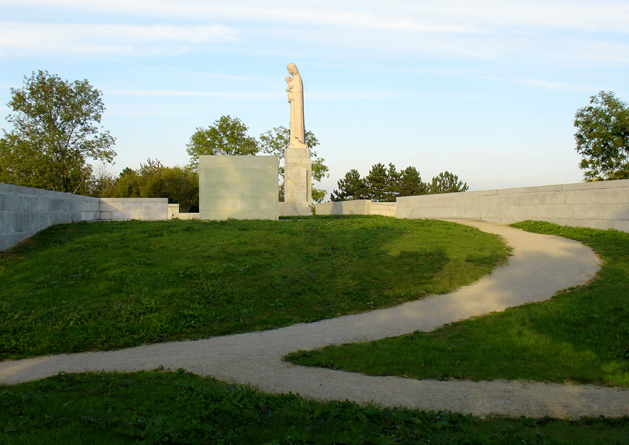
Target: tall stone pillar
(297,182)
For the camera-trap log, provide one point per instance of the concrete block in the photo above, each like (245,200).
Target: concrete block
(214,175)
(223,214)
(240,188)
(238,202)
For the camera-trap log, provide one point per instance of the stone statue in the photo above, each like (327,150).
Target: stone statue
(295,92)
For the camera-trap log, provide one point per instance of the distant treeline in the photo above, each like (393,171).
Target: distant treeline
(384,184)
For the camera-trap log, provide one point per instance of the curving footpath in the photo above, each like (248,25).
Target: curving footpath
(540,266)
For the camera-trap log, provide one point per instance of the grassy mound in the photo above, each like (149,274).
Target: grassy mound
(109,285)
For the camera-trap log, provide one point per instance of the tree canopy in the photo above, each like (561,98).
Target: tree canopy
(385,184)
(228,136)
(446,182)
(602,137)
(54,132)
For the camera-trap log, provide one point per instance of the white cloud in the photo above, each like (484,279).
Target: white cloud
(118,38)
(483,29)
(445,16)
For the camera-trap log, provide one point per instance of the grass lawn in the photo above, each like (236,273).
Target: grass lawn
(110,285)
(581,335)
(180,408)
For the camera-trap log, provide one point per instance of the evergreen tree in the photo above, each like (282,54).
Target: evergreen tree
(351,187)
(376,182)
(446,182)
(411,183)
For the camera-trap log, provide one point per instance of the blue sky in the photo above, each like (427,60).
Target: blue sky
(485,89)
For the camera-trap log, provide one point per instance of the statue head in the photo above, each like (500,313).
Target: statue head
(292,69)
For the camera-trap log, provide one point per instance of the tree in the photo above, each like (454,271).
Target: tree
(602,137)
(376,181)
(154,180)
(54,132)
(228,136)
(411,183)
(386,184)
(275,142)
(446,182)
(351,187)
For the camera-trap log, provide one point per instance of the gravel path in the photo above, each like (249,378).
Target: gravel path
(540,266)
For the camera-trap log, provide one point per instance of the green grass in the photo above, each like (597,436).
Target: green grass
(109,285)
(180,408)
(581,335)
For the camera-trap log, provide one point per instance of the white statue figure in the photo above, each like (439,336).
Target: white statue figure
(295,92)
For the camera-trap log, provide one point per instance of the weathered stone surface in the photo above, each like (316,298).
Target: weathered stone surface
(238,187)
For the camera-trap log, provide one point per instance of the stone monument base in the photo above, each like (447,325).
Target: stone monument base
(290,209)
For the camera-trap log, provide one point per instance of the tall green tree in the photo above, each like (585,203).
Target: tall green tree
(446,182)
(411,183)
(55,130)
(228,136)
(602,137)
(376,182)
(275,142)
(351,187)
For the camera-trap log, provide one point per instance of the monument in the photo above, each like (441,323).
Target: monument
(297,163)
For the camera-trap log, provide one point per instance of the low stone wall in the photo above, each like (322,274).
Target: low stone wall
(124,209)
(24,211)
(357,207)
(384,209)
(173,213)
(599,205)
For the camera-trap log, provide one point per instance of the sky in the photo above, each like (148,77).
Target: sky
(485,89)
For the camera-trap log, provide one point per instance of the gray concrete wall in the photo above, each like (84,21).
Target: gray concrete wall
(25,211)
(123,209)
(238,187)
(357,207)
(600,205)
(384,209)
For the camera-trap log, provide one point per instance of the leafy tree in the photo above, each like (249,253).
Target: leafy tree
(275,142)
(351,187)
(154,180)
(446,182)
(54,132)
(602,137)
(228,136)
(101,180)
